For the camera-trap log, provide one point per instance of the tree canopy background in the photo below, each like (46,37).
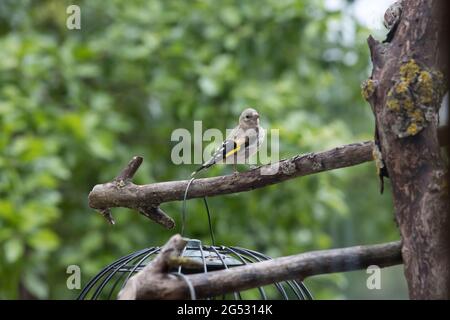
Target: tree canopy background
(76,105)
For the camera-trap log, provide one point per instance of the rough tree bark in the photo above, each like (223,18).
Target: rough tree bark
(405,91)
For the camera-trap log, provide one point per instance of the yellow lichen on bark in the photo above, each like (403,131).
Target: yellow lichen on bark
(409,70)
(368,88)
(412,129)
(416,92)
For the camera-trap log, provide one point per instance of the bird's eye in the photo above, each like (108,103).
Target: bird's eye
(247,116)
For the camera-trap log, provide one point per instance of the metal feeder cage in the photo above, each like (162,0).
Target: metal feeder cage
(107,284)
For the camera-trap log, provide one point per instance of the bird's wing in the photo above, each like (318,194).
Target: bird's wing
(229,147)
(238,146)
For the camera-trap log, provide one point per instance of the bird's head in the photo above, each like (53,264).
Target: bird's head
(249,118)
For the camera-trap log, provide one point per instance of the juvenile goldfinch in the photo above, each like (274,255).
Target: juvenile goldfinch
(243,142)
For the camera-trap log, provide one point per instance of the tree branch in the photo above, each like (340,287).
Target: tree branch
(121,192)
(153,282)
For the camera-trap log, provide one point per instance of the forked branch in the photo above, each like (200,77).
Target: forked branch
(121,192)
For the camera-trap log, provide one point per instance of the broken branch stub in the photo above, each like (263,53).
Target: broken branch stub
(121,186)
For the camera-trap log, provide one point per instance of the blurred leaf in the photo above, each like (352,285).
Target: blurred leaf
(44,239)
(13,250)
(35,284)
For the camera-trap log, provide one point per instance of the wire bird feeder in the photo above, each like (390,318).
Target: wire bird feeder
(107,283)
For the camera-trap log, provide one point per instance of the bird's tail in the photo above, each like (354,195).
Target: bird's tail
(197,171)
(203,166)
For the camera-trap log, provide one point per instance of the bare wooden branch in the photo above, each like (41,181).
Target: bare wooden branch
(153,282)
(145,198)
(121,192)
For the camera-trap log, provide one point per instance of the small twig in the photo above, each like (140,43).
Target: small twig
(157,215)
(108,216)
(153,282)
(128,172)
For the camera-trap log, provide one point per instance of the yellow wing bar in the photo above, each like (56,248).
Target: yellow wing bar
(229,153)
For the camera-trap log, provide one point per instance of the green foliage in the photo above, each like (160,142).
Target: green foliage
(75,106)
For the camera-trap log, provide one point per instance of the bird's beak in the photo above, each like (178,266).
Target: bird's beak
(257,116)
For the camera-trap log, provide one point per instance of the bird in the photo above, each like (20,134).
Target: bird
(243,141)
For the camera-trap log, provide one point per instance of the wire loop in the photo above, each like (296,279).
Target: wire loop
(183,213)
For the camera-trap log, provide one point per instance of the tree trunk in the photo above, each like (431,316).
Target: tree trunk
(405,92)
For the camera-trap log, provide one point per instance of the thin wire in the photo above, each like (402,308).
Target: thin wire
(189,284)
(183,212)
(133,270)
(105,270)
(208,213)
(237,295)
(260,289)
(211,232)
